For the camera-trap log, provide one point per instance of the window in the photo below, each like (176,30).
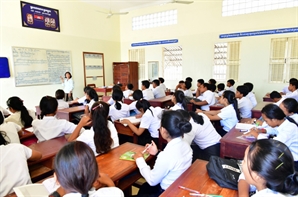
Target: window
(172,63)
(157,19)
(226,61)
(236,7)
(283,59)
(138,55)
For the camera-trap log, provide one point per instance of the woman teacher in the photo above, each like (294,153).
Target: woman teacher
(67,83)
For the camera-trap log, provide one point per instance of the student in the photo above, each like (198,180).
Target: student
(286,90)
(276,97)
(68,85)
(228,115)
(59,96)
(147,93)
(203,134)
(76,171)
(172,161)
(103,135)
(290,108)
(158,91)
(128,90)
(179,101)
(82,100)
(91,97)
(180,86)
(212,81)
(199,83)
(251,96)
(207,98)
(137,95)
(188,79)
(118,109)
(115,87)
(212,88)
(293,87)
(186,89)
(244,104)
(230,85)
(4,112)
(11,129)
(220,89)
(268,165)
(49,126)
(161,80)
(20,115)
(13,164)
(149,121)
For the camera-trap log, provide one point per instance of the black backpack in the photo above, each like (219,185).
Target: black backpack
(225,172)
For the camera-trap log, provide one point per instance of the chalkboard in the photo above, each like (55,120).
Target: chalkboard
(34,66)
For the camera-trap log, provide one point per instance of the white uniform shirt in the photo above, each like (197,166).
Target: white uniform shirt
(269,193)
(177,106)
(295,117)
(90,104)
(220,93)
(152,123)
(87,137)
(163,86)
(209,97)
(293,95)
(13,167)
(11,130)
(188,93)
(228,117)
(16,117)
(132,106)
(126,93)
(116,114)
(50,127)
(158,92)
(82,100)
(286,90)
(169,164)
(101,192)
(62,104)
(232,88)
(252,97)
(68,85)
(4,111)
(245,107)
(148,94)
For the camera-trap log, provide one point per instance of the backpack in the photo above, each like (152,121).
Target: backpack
(225,172)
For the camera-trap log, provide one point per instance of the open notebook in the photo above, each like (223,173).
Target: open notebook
(31,190)
(132,119)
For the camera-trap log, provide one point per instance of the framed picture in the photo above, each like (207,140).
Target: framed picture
(39,17)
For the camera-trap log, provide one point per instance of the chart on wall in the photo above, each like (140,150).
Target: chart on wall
(35,66)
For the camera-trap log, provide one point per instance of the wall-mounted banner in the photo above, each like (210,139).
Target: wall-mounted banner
(260,33)
(138,44)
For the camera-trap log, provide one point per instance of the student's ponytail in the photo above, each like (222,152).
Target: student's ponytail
(117,96)
(180,98)
(291,184)
(144,104)
(230,96)
(17,104)
(196,117)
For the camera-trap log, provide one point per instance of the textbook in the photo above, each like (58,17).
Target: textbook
(31,190)
(132,119)
(129,156)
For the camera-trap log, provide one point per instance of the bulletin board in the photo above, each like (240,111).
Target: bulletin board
(34,66)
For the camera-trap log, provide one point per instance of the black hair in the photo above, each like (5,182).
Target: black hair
(156,81)
(291,105)
(137,95)
(87,88)
(272,111)
(129,86)
(230,96)
(92,94)
(249,85)
(180,98)
(161,80)
(196,117)
(17,104)
(3,141)
(231,81)
(117,96)
(116,87)
(272,160)
(48,105)
(221,86)
(275,94)
(294,83)
(292,80)
(187,84)
(1,118)
(146,83)
(212,81)
(201,81)
(212,87)
(59,94)
(206,85)
(175,124)
(70,76)
(188,79)
(181,81)
(143,104)
(102,134)
(76,167)
(243,90)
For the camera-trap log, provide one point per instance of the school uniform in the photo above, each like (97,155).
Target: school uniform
(13,167)
(294,117)
(101,192)
(90,104)
(148,94)
(209,97)
(62,104)
(163,86)
(82,100)
(269,193)
(50,127)
(158,92)
(11,129)
(188,93)
(220,93)
(232,88)
(252,97)
(228,117)
(111,101)
(245,107)
(16,117)
(132,106)
(68,87)
(151,122)
(4,112)
(116,114)
(88,137)
(293,95)
(177,106)
(126,93)
(286,90)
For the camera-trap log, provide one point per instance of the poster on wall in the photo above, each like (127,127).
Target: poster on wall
(40,17)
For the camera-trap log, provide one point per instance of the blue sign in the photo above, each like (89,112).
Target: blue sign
(4,68)
(260,33)
(138,44)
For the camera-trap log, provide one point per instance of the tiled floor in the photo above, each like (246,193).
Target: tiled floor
(135,189)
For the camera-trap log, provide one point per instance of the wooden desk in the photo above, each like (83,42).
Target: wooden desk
(197,178)
(216,107)
(27,138)
(256,111)
(121,129)
(68,112)
(267,99)
(162,102)
(103,90)
(127,101)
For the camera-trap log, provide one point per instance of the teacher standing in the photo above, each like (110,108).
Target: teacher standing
(67,83)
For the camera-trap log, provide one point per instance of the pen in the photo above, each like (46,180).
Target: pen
(146,148)
(191,190)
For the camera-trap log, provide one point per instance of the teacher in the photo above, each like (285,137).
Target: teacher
(67,83)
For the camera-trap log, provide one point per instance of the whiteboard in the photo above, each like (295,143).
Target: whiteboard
(35,66)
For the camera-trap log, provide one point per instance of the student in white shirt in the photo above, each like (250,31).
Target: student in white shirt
(13,165)
(118,109)
(68,85)
(244,104)
(20,115)
(128,90)
(199,83)
(179,101)
(172,161)
(158,91)
(102,136)
(147,93)
(186,89)
(251,96)
(207,98)
(286,90)
(76,171)
(91,97)
(59,94)
(290,108)
(212,88)
(115,87)
(228,115)
(4,111)
(161,80)
(11,129)
(81,100)
(137,95)
(220,89)
(293,87)
(49,126)
(230,85)
(268,165)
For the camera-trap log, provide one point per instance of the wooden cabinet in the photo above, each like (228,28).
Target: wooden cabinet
(126,72)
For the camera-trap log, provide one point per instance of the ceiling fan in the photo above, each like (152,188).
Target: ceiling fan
(110,13)
(182,2)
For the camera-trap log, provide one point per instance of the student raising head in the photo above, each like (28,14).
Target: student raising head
(251,96)
(179,101)
(103,135)
(91,97)
(244,104)
(137,95)
(128,90)
(230,85)
(20,115)
(147,93)
(118,109)
(59,94)
(158,91)
(161,80)
(207,97)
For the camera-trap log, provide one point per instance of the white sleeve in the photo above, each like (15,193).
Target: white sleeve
(4,111)
(209,98)
(84,137)
(224,114)
(18,127)
(71,84)
(132,106)
(27,151)
(145,121)
(69,127)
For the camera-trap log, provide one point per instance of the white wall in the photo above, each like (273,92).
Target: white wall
(199,26)
(82,29)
